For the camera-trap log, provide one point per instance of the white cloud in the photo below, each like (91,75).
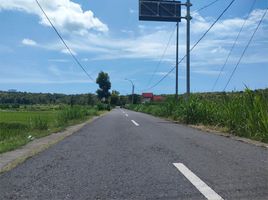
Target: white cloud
(85,59)
(132,11)
(28,42)
(66,51)
(44,81)
(212,50)
(64,14)
(207,72)
(150,41)
(58,60)
(54,70)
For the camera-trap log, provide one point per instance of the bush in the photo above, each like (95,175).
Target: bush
(102,107)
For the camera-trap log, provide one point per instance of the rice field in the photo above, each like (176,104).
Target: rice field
(18,127)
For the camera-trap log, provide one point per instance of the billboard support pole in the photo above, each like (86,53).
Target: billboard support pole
(177,62)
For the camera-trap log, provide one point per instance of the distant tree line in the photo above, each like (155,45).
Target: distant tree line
(25,98)
(102,96)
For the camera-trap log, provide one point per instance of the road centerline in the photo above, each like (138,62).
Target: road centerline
(197,182)
(135,123)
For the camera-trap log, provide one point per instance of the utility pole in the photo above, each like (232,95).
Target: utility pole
(188,19)
(133,89)
(177,62)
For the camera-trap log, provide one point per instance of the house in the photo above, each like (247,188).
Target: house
(158,98)
(147,97)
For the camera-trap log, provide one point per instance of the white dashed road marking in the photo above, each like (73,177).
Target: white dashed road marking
(126,115)
(197,182)
(136,124)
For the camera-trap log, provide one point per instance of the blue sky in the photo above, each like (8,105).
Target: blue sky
(107,35)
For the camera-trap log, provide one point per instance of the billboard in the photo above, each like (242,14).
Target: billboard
(160,10)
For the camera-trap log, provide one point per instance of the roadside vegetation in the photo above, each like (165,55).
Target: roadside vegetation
(242,114)
(26,116)
(22,125)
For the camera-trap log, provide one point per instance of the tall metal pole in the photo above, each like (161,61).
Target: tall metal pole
(188,18)
(133,88)
(177,62)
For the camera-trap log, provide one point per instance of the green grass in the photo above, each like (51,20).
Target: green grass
(25,117)
(242,114)
(18,127)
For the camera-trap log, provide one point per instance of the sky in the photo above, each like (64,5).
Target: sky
(107,36)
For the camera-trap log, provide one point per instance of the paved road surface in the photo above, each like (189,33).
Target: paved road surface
(126,155)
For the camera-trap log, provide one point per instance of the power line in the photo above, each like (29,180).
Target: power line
(162,57)
(206,6)
(245,49)
(61,38)
(234,44)
(169,72)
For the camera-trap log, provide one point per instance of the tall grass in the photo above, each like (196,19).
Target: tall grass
(18,128)
(243,114)
(75,113)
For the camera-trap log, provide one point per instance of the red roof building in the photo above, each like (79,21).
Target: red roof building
(148,95)
(158,98)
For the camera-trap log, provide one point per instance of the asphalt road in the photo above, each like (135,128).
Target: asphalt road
(127,155)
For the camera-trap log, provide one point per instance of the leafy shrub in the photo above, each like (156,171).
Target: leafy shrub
(102,106)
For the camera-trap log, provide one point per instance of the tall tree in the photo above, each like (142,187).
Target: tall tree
(105,85)
(115,98)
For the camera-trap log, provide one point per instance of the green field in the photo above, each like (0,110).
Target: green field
(18,126)
(25,117)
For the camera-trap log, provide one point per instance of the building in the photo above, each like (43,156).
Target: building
(150,97)
(147,97)
(158,98)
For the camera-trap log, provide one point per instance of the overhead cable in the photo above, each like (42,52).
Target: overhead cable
(63,41)
(245,49)
(234,44)
(162,57)
(202,37)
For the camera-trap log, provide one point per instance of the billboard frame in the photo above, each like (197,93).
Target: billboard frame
(161,8)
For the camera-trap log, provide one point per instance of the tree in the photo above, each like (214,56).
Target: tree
(137,99)
(115,98)
(123,100)
(105,85)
